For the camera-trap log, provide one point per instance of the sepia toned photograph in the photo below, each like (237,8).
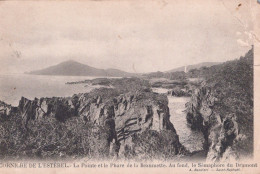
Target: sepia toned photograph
(148,82)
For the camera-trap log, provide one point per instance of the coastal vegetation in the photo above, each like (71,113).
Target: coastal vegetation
(125,119)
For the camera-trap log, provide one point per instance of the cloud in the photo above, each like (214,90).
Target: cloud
(111,34)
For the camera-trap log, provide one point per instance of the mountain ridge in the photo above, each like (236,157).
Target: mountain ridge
(194,66)
(74,68)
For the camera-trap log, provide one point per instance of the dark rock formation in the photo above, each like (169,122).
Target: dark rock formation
(123,116)
(178,92)
(60,108)
(221,132)
(222,108)
(168,84)
(6,110)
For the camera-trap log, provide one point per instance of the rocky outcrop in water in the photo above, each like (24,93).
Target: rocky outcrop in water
(178,92)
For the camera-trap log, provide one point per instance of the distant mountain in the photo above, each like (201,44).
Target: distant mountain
(73,68)
(195,66)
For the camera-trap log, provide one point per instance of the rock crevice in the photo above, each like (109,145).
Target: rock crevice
(220,132)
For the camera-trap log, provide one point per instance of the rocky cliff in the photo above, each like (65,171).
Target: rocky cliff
(124,117)
(220,133)
(6,110)
(222,108)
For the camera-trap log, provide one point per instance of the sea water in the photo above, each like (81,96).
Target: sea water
(191,139)
(14,86)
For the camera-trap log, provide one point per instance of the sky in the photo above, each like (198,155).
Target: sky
(134,36)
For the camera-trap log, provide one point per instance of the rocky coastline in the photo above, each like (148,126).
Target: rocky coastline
(127,120)
(223,112)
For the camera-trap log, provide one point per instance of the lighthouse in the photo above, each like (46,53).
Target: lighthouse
(185,69)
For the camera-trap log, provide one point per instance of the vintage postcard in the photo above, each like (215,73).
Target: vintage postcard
(109,86)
